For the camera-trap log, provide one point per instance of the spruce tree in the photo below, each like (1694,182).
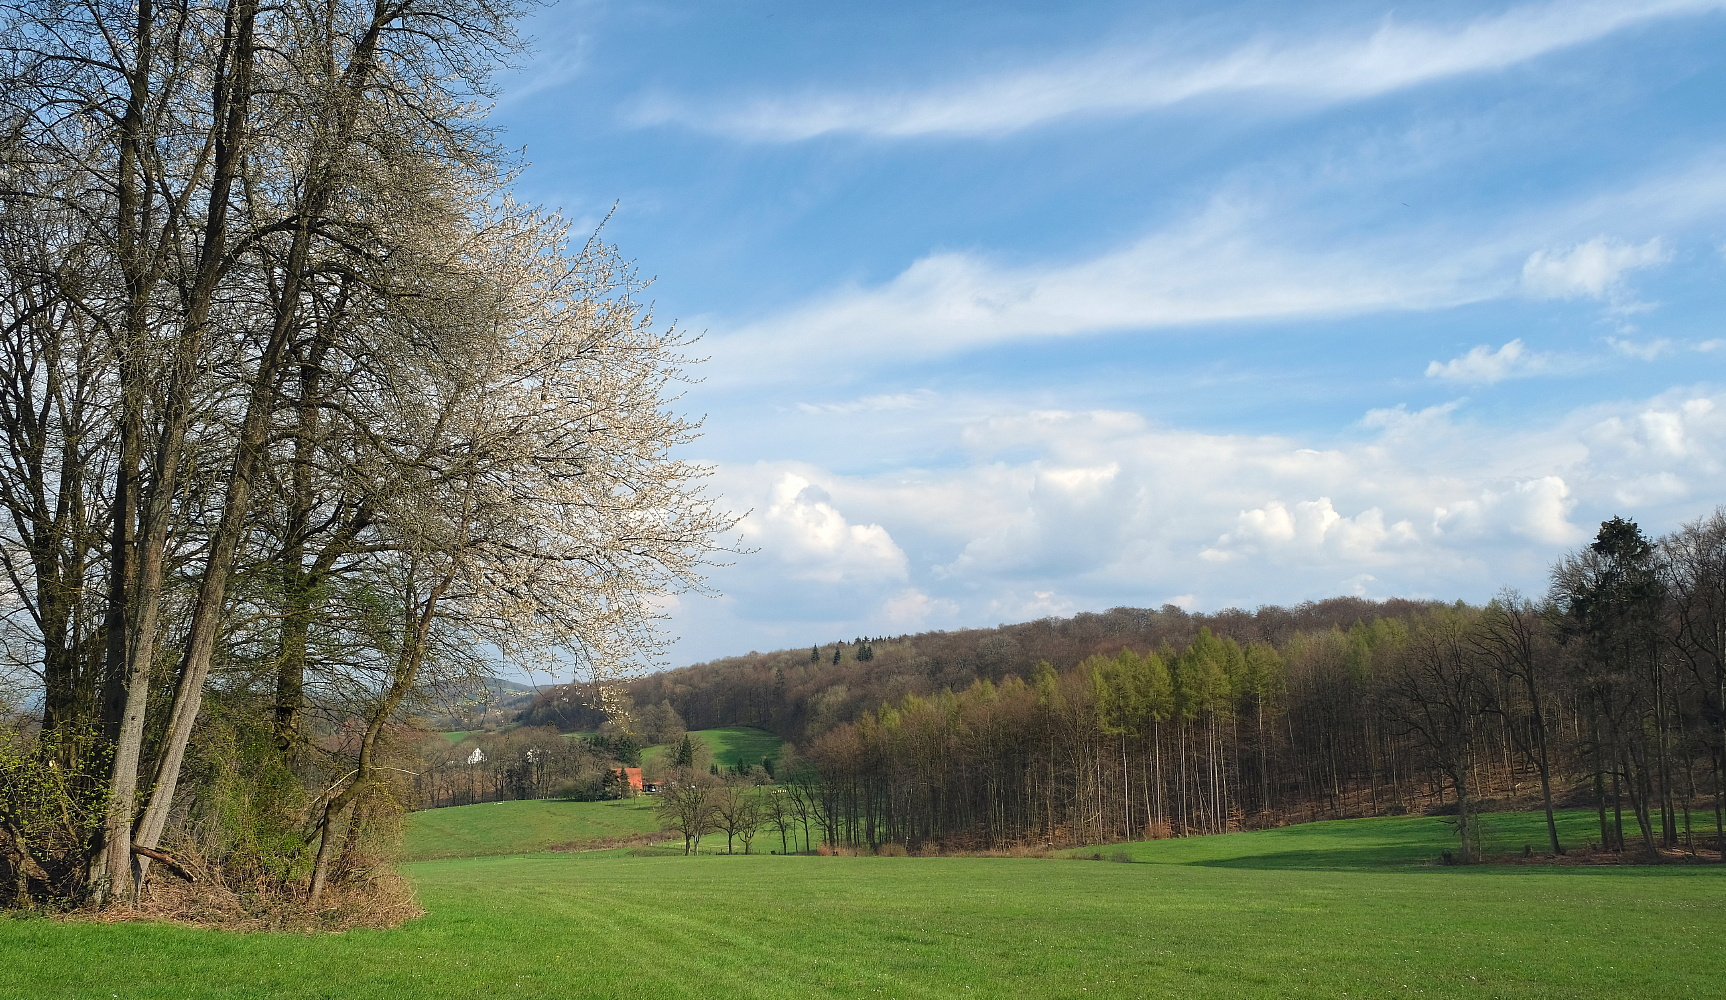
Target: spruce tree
(685,755)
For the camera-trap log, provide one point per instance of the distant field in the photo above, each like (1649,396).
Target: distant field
(1234,916)
(494,828)
(1357,843)
(730,745)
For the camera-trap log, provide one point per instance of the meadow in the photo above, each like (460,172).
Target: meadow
(1384,842)
(729,745)
(522,827)
(1341,909)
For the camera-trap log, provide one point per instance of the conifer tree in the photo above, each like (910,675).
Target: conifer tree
(684,756)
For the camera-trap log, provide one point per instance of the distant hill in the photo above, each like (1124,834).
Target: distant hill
(797,696)
(478,703)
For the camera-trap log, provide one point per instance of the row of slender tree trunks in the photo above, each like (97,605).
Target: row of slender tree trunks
(1212,778)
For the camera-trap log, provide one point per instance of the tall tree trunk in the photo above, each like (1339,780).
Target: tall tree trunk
(407,671)
(230,103)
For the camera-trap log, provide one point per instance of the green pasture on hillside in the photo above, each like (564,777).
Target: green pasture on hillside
(729,745)
(1219,917)
(494,828)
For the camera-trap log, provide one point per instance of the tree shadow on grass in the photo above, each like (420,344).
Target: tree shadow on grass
(1383,844)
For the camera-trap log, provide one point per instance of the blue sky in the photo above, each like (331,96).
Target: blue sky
(1027,309)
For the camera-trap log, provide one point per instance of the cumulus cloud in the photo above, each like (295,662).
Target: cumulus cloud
(1536,509)
(1683,430)
(805,534)
(1310,526)
(1595,269)
(1483,364)
(1054,510)
(1344,66)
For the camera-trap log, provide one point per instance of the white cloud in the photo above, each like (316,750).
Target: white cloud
(1535,509)
(1017,607)
(1052,506)
(871,404)
(1483,364)
(1312,526)
(911,609)
(560,58)
(1239,258)
(806,535)
(1594,269)
(1118,81)
(1216,267)
(1039,512)
(1642,350)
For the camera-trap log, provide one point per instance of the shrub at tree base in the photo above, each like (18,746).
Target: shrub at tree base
(373,896)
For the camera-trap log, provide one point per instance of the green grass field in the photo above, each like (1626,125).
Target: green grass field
(1357,844)
(497,828)
(1234,916)
(730,745)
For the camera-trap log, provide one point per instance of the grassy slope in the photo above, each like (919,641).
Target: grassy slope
(730,744)
(1356,843)
(1217,917)
(493,828)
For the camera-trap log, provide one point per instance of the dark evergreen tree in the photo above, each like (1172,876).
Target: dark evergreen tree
(684,755)
(626,750)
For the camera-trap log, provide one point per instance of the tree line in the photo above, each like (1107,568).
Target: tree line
(1608,692)
(800,694)
(302,418)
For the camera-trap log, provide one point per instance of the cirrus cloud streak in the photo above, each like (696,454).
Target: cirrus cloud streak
(1344,66)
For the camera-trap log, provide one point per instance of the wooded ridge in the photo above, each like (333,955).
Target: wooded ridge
(1609,691)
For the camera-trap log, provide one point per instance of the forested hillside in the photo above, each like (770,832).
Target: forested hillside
(801,693)
(1610,692)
